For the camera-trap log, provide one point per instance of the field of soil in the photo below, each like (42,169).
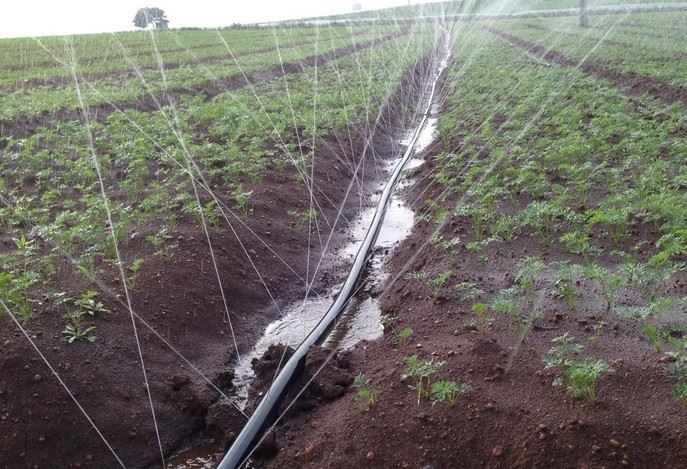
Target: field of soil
(161,207)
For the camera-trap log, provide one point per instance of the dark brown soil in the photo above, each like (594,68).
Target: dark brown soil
(22,127)
(512,417)
(181,301)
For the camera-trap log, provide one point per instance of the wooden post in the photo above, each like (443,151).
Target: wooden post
(584,21)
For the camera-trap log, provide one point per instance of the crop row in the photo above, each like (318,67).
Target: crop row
(121,59)
(54,99)
(648,57)
(50,192)
(583,186)
(37,52)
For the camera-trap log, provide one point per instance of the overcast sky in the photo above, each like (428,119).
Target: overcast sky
(46,17)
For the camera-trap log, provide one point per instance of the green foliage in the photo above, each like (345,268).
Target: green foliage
(447,391)
(403,336)
(648,278)
(614,220)
(507,302)
(365,392)
(481,321)
(582,374)
(577,242)
(564,281)
(479,216)
(468,291)
(134,272)
(242,199)
(14,290)
(303,218)
(76,330)
(609,283)
(434,285)
(545,218)
(421,372)
(387,321)
(529,269)
(89,304)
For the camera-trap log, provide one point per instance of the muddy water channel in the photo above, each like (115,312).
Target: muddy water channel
(362,318)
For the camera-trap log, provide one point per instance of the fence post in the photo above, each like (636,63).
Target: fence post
(584,21)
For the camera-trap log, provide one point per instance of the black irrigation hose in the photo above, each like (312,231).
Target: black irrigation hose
(266,412)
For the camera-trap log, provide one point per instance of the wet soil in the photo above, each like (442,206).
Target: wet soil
(180,300)
(512,417)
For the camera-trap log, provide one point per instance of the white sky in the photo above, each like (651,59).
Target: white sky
(46,17)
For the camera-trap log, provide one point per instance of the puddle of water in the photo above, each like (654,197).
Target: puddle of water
(197,457)
(425,139)
(361,321)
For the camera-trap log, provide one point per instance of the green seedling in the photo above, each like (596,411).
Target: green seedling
(303,218)
(577,242)
(76,330)
(365,392)
(403,336)
(89,303)
(610,283)
(447,391)
(134,272)
(433,285)
(529,269)
(421,372)
(597,328)
(481,321)
(242,199)
(564,281)
(582,374)
(468,291)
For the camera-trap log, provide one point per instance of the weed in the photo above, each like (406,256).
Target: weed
(387,321)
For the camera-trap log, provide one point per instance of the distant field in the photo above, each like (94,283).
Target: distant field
(485,7)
